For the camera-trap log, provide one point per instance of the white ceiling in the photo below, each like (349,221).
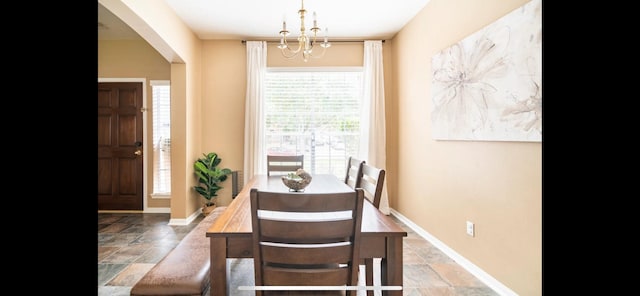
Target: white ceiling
(262,19)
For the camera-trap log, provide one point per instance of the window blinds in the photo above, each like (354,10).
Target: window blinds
(315,113)
(161,94)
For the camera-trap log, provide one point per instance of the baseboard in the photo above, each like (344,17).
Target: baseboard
(149,210)
(466,264)
(120,212)
(187,221)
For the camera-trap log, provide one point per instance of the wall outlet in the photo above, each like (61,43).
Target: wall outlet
(470,228)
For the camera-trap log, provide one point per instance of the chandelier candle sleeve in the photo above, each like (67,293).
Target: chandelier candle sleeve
(326,36)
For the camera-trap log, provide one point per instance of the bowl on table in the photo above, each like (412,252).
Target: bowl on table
(297,181)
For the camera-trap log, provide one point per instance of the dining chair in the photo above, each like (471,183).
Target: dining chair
(371,181)
(283,164)
(354,172)
(302,239)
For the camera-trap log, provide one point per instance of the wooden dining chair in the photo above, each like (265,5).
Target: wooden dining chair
(371,181)
(284,164)
(302,239)
(354,172)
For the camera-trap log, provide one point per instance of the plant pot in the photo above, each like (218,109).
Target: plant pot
(206,209)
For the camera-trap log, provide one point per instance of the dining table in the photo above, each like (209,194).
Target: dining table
(231,233)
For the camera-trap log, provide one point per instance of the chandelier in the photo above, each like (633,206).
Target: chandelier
(306,44)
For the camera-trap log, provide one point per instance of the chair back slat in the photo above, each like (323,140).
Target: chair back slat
(275,276)
(284,164)
(306,231)
(354,172)
(305,202)
(284,255)
(372,181)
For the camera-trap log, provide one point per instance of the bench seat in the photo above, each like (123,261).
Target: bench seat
(185,269)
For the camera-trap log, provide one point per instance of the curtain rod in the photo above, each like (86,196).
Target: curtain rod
(331,41)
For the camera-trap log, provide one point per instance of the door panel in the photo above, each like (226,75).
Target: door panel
(119,146)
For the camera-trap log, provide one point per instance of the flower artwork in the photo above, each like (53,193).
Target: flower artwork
(488,86)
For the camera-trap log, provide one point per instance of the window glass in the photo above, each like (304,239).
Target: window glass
(315,113)
(161,92)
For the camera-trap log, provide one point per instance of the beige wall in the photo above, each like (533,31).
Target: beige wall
(442,184)
(223,89)
(438,185)
(136,59)
(346,54)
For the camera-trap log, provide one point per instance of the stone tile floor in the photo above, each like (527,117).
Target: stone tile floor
(130,244)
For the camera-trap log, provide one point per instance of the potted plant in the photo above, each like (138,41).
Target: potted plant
(209,178)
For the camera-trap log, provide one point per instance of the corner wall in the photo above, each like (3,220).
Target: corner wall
(159,25)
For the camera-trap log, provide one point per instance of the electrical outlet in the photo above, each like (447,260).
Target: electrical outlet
(470,228)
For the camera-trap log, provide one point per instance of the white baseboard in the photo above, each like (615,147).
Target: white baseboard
(466,264)
(183,222)
(157,210)
(176,222)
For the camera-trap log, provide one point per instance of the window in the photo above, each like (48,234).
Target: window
(315,113)
(161,92)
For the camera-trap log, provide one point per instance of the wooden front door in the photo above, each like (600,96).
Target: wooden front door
(120,146)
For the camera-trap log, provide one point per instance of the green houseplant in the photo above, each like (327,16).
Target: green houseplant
(209,178)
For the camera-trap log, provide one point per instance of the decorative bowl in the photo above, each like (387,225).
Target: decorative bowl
(298,181)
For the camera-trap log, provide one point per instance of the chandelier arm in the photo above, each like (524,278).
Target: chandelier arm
(288,52)
(324,49)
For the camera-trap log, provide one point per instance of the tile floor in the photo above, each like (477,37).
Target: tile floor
(130,244)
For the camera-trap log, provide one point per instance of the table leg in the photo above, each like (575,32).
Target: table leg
(368,263)
(391,266)
(218,269)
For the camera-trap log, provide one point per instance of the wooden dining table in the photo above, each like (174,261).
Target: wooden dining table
(231,237)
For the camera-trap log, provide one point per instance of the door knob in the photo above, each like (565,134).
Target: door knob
(138,152)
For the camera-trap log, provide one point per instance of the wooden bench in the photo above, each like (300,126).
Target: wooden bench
(185,269)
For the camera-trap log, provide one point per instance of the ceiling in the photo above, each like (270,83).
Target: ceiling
(262,20)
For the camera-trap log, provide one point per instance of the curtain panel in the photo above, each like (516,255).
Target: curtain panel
(254,152)
(373,139)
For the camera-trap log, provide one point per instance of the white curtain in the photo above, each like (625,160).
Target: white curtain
(373,139)
(253,118)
